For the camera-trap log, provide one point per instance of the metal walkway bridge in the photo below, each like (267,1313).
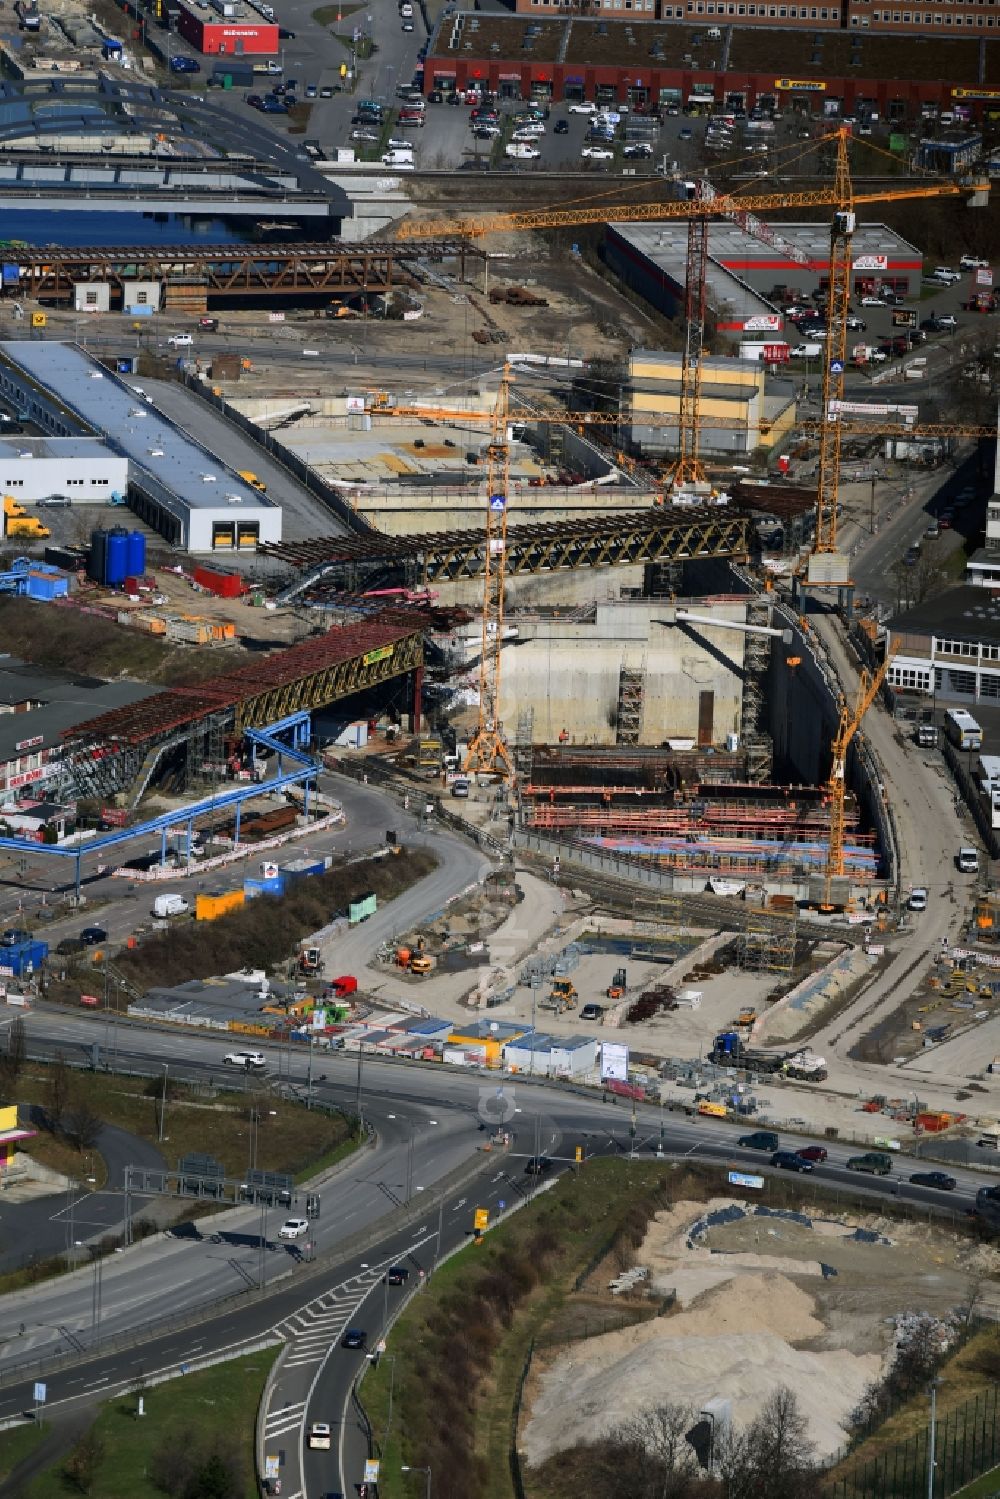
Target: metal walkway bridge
(615,540)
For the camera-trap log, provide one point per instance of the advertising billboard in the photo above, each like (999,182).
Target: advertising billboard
(614,1062)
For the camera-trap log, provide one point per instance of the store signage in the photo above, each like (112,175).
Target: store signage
(776,353)
(871,263)
(975,93)
(766,323)
(27,744)
(803,85)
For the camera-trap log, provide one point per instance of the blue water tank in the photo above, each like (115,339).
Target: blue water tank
(116,558)
(98,555)
(136,556)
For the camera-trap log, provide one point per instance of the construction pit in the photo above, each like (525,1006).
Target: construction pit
(747,1300)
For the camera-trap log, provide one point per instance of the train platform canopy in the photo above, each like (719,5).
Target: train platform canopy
(175,483)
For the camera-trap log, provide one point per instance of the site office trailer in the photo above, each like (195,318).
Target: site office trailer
(222,38)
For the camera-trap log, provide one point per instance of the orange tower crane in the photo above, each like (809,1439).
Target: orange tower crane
(848,725)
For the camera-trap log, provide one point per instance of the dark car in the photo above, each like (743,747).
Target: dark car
(272,106)
(68,946)
(327,91)
(92,935)
(537,1165)
(591,1012)
(435,96)
(397,1275)
(13,936)
(814,1153)
(561,127)
(354,1337)
(939,1180)
(761,1139)
(285,35)
(634,152)
(184,65)
(790,1160)
(255,101)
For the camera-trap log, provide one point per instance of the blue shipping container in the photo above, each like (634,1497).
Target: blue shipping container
(11,275)
(26,958)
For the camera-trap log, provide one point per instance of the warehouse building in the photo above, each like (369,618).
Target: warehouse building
(761,409)
(81,469)
(750,275)
(175,485)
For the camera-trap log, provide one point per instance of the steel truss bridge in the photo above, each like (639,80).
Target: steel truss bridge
(617,540)
(122,749)
(250,271)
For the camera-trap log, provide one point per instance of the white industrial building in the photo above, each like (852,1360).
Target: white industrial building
(174,483)
(551,1056)
(80,469)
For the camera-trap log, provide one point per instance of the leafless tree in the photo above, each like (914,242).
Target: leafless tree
(57,1093)
(772,1457)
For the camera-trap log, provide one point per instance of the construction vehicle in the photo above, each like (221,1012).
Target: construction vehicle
(310,960)
(17,521)
(730,1050)
(414,959)
(806,1066)
(249,477)
(562,995)
(746,1017)
(617,986)
(343,986)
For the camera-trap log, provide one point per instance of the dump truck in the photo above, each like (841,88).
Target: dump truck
(562,995)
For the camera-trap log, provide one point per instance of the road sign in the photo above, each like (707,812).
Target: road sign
(836,366)
(742,1179)
(482,1218)
(579,1153)
(380,1347)
(502,1203)
(272,1467)
(41,1390)
(498,501)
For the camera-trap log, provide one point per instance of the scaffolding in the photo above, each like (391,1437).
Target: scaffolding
(628,723)
(767,942)
(757,741)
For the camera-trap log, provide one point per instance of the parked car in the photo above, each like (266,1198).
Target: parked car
(790,1160)
(637,151)
(856,324)
(354,1337)
(435,96)
(873,301)
(973,263)
(69,945)
(939,1180)
(92,935)
(814,1153)
(947,320)
(522,151)
(255,100)
(13,936)
(592,1012)
(598,153)
(583,107)
(182,64)
(208,324)
(293,1228)
(486,132)
(285,35)
(761,1139)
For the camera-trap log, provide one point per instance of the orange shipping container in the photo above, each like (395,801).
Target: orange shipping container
(216,903)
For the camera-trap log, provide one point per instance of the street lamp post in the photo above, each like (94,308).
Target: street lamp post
(427,1474)
(163,1100)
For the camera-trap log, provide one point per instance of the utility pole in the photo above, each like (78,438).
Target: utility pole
(359,1106)
(163,1100)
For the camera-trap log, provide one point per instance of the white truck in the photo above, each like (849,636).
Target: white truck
(170,905)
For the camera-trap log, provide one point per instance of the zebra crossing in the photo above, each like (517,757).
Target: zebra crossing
(313,1329)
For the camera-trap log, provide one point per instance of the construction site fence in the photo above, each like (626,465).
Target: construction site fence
(317,486)
(958,764)
(967,1445)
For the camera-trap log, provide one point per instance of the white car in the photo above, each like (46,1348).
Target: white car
(319,1435)
(521,151)
(583,108)
(180,341)
(598,153)
(918,899)
(528,131)
(293,1228)
(973,263)
(877,356)
(872,302)
(248,1059)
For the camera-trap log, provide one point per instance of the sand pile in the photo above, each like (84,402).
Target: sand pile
(589,1391)
(735,1341)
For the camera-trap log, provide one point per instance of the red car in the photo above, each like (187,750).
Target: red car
(815,1153)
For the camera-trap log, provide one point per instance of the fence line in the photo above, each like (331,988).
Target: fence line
(967,1445)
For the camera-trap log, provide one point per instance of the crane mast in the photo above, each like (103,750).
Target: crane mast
(688,468)
(488,752)
(847,726)
(835,361)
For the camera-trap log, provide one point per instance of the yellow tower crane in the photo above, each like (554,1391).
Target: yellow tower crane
(848,724)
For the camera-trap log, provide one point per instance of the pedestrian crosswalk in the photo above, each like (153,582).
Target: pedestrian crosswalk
(320,1323)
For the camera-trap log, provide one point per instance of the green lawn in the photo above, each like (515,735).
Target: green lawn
(17,1444)
(983,1488)
(211,1412)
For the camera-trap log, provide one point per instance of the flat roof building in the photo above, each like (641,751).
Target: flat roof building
(80,469)
(177,486)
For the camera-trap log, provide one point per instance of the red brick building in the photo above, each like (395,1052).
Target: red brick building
(829,74)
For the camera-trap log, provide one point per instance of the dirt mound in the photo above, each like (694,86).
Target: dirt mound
(765,1302)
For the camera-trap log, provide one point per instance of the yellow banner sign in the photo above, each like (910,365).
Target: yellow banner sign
(975,93)
(482,1219)
(806,85)
(382,654)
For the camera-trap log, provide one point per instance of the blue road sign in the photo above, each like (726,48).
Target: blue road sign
(836,366)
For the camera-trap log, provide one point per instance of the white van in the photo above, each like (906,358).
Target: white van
(397,158)
(170,905)
(968,861)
